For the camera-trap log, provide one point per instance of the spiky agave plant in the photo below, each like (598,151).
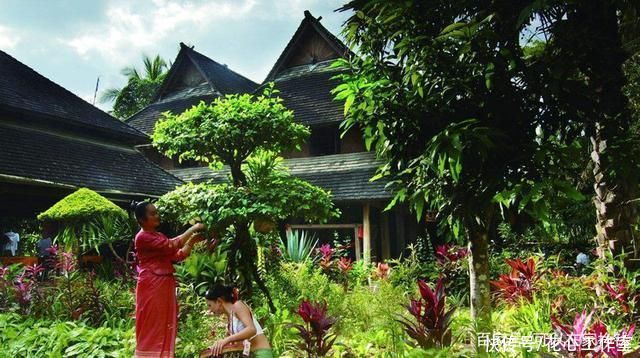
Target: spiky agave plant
(299,246)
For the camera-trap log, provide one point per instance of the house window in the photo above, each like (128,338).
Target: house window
(324,141)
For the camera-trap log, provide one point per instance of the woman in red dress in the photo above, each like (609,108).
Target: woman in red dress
(156,304)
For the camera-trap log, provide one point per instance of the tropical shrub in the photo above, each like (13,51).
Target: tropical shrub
(22,336)
(519,283)
(619,288)
(87,220)
(244,132)
(203,268)
(82,205)
(431,320)
(316,340)
(574,337)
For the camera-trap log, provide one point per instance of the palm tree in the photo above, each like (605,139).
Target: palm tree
(139,90)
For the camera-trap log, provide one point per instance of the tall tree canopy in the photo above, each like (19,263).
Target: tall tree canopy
(140,88)
(473,115)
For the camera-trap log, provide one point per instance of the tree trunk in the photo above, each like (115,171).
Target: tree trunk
(239,179)
(479,280)
(614,213)
(615,177)
(247,267)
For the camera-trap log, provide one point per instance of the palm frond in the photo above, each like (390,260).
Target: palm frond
(109,95)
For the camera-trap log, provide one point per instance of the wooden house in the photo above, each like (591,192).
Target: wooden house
(334,161)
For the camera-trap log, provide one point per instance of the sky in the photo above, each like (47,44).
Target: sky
(73,42)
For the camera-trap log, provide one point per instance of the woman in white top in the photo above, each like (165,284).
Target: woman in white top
(242,326)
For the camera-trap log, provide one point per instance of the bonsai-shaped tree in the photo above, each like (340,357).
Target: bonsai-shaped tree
(245,133)
(86,220)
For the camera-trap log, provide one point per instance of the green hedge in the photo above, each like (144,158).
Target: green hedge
(82,205)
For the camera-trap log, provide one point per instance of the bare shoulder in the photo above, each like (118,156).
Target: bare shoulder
(240,306)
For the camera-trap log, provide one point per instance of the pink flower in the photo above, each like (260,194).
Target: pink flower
(326,250)
(32,271)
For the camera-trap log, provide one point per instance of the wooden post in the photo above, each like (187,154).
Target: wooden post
(386,239)
(356,242)
(366,234)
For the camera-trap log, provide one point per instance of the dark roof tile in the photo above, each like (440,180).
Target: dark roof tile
(220,76)
(23,89)
(36,155)
(346,176)
(146,119)
(308,95)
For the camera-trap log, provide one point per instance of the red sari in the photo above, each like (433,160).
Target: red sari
(156,304)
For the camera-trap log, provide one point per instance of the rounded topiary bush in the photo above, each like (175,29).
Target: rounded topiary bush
(87,220)
(82,205)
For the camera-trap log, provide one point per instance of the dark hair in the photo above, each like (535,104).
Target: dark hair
(139,209)
(227,293)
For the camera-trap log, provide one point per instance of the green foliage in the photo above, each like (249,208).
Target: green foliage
(88,220)
(82,205)
(230,129)
(221,205)
(139,90)
(299,246)
(103,230)
(22,337)
(244,132)
(203,268)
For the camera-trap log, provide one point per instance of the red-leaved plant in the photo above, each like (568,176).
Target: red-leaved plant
(431,320)
(326,257)
(316,339)
(450,253)
(623,295)
(583,339)
(24,286)
(345,265)
(519,283)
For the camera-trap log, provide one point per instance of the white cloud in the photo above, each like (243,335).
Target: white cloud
(8,38)
(129,30)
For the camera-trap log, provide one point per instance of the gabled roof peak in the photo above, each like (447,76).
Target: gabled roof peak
(307,15)
(320,45)
(219,76)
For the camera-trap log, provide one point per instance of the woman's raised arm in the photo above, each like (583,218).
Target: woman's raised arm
(181,240)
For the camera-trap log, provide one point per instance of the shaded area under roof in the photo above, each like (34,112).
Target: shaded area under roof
(346,176)
(48,159)
(23,89)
